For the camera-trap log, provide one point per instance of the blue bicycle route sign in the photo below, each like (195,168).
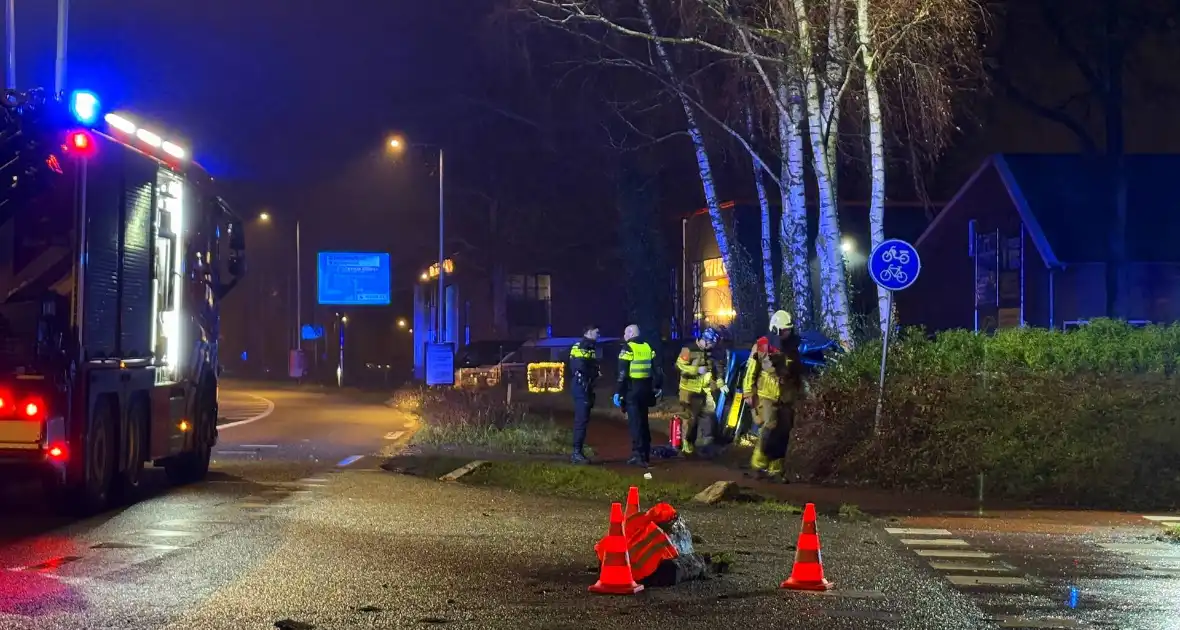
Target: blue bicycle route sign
(353,278)
(894,265)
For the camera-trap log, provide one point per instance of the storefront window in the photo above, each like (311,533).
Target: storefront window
(716,300)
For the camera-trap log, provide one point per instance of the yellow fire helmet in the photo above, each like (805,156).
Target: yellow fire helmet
(780,321)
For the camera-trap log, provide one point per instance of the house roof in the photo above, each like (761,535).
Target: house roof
(1065,202)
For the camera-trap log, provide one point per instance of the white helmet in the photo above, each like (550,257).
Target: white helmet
(780,321)
(630,332)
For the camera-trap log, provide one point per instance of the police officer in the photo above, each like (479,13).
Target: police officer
(699,375)
(584,370)
(640,385)
(774,384)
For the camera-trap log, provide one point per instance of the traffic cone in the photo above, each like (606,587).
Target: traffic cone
(615,576)
(632,505)
(808,572)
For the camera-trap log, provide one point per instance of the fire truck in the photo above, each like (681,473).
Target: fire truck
(114,256)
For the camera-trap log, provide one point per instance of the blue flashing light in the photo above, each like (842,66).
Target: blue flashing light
(85,107)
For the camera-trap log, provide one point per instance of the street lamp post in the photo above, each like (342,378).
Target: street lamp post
(297,342)
(397,144)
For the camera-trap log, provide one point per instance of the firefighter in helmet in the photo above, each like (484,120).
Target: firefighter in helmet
(699,376)
(773,384)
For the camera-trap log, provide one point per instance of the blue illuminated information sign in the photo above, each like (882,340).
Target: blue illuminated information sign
(353,278)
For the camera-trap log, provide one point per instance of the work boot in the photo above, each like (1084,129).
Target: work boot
(579,459)
(638,461)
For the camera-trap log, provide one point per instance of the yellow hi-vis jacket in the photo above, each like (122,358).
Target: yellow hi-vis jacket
(692,358)
(766,372)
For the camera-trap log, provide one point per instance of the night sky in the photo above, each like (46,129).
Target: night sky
(288,102)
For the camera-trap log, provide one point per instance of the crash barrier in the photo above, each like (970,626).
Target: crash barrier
(636,548)
(547,377)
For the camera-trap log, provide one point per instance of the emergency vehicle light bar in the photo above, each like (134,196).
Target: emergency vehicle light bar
(149,138)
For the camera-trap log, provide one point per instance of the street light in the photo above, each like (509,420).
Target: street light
(401,323)
(398,144)
(264,217)
(847,246)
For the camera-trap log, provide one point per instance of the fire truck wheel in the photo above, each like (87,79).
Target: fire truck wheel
(132,476)
(91,492)
(193,466)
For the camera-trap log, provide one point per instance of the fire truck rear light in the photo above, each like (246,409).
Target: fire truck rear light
(32,409)
(57,452)
(80,140)
(174,150)
(120,123)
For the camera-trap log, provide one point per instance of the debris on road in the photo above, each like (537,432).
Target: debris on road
(291,624)
(467,469)
(718,492)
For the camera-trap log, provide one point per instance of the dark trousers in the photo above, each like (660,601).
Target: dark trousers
(698,426)
(583,403)
(638,426)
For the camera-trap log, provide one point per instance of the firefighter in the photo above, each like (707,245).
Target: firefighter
(699,375)
(640,385)
(774,383)
(585,372)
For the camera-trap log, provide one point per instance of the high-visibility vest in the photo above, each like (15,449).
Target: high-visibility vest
(640,355)
(647,545)
(688,364)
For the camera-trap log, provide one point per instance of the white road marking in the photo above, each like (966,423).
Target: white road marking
(906,531)
(986,580)
(1163,549)
(952,553)
(220,452)
(970,566)
(270,407)
(1048,622)
(258,446)
(934,542)
(1164,519)
(348,461)
(394,435)
(311,480)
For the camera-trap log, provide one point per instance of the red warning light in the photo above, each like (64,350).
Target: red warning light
(31,409)
(81,142)
(57,452)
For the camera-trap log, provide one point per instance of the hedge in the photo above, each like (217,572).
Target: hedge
(1089,417)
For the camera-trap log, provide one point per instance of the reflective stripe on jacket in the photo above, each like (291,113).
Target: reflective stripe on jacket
(638,356)
(647,545)
(689,363)
(761,368)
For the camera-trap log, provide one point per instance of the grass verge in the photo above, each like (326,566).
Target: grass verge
(482,421)
(1172,533)
(572,482)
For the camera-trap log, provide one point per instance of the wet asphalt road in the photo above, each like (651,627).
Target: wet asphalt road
(298,522)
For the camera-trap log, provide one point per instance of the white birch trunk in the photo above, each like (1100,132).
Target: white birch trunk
(793,224)
(876,147)
(768,279)
(704,166)
(835,289)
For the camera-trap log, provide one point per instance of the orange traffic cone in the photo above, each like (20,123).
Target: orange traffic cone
(632,506)
(808,572)
(615,577)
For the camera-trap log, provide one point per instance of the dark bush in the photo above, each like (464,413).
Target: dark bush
(481,420)
(1088,417)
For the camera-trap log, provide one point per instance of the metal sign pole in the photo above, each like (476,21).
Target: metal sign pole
(884,357)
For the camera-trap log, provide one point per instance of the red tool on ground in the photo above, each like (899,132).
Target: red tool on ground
(808,572)
(676,432)
(615,576)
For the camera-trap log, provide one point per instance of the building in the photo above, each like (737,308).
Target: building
(1026,242)
(513,303)
(708,301)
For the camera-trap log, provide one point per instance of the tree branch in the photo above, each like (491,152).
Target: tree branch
(1089,145)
